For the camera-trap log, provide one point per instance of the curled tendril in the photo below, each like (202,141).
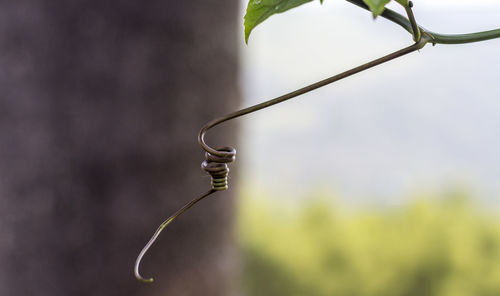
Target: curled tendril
(216,160)
(159,230)
(215,165)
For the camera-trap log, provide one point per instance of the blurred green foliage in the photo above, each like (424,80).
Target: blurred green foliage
(425,248)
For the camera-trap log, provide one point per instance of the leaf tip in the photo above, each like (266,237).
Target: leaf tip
(247,34)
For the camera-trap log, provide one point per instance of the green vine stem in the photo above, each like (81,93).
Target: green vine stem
(414,26)
(435,38)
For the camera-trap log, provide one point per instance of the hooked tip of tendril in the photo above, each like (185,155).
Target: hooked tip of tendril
(140,278)
(137,273)
(159,230)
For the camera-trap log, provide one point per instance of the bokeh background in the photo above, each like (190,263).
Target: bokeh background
(101,103)
(382,184)
(385,183)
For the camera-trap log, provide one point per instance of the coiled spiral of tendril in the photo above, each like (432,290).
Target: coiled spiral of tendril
(216,166)
(217,159)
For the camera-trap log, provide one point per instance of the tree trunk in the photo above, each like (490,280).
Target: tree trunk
(100,103)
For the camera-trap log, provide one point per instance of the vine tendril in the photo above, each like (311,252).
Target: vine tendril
(159,230)
(216,160)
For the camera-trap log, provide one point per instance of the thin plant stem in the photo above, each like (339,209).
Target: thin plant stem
(218,152)
(159,230)
(414,26)
(435,38)
(414,47)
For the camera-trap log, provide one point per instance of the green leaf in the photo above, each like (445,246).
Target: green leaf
(377,6)
(259,10)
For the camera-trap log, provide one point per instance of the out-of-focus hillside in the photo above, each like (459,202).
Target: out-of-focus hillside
(432,248)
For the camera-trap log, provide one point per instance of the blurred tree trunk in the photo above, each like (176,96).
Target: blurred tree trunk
(100,103)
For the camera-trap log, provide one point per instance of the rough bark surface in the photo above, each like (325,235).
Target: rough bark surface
(100,104)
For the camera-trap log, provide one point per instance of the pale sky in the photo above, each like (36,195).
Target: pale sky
(373,137)
(455,2)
